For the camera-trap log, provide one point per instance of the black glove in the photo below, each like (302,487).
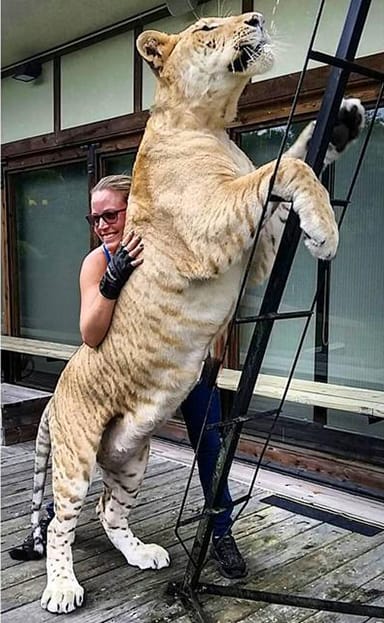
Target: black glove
(118,271)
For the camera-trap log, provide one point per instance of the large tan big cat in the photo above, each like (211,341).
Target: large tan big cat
(196,200)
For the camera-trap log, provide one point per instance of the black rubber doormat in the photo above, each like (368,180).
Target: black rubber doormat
(326,516)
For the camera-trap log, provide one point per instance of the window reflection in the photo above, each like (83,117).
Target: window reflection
(52,239)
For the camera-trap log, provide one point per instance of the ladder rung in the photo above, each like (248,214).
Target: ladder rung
(240,420)
(344,64)
(192,519)
(244,498)
(272,316)
(344,203)
(374,420)
(275,198)
(213,511)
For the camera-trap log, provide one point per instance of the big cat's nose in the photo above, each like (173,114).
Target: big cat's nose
(256,19)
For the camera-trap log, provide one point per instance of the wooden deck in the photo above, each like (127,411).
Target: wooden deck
(286,551)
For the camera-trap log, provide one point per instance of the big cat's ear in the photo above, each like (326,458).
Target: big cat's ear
(155,47)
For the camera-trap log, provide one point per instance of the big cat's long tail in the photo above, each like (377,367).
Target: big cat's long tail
(34,545)
(43,448)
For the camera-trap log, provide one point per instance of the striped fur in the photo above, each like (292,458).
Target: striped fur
(196,200)
(43,448)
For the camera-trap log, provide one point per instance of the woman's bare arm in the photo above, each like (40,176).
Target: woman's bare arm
(96,311)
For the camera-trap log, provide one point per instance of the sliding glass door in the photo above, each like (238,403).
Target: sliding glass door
(52,237)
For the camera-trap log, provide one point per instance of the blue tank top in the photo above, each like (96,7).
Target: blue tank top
(107,254)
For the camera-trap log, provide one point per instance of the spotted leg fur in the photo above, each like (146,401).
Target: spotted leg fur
(63,592)
(121,487)
(70,482)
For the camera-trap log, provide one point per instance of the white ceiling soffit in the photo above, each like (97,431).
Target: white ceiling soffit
(29,27)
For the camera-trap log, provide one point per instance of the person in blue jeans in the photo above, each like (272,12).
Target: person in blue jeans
(104,272)
(194,409)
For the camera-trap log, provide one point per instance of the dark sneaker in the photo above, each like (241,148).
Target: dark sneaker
(34,546)
(230,562)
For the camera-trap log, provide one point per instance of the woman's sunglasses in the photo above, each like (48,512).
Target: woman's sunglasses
(109,217)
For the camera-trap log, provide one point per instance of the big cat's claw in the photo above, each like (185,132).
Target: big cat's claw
(61,597)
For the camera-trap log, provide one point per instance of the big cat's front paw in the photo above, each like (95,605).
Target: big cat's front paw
(323,243)
(350,122)
(62,596)
(348,126)
(317,221)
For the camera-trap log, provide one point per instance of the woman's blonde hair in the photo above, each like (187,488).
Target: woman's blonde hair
(121,183)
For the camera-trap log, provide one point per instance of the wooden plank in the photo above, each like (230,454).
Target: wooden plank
(18,526)
(370,593)
(37,347)
(314,563)
(315,495)
(100,571)
(148,525)
(370,512)
(18,393)
(111,571)
(285,551)
(18,505)
(355,400)
(351,399)
(347,582)
(366,395)
(22,408)
(25,449)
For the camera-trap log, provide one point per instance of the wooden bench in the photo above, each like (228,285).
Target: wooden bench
(37,347)
(21,412)
(350,399)
(22,406)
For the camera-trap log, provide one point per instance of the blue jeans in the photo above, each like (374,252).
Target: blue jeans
(194,409)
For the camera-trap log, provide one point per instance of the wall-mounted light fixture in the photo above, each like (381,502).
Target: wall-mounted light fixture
(180,7)
(28,72)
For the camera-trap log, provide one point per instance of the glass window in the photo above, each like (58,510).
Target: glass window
(356,322)
(357,284)
(262,146)
(120,164)
(52,239)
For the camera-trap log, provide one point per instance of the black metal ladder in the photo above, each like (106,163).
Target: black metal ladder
(342,64)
